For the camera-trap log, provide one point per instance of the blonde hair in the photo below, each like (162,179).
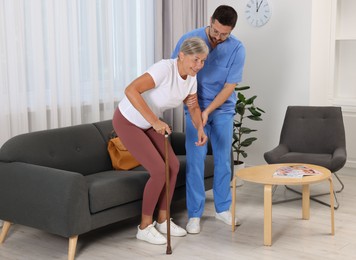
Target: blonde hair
(194,45)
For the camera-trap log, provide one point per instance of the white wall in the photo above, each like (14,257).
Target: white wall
(277,65)
(320,78)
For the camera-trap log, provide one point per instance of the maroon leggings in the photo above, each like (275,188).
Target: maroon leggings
(147,146)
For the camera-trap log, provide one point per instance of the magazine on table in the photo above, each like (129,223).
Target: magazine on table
(295,171)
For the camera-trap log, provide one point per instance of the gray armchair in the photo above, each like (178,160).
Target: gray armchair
(314,135)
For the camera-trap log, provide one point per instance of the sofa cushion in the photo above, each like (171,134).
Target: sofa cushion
(106,189)
(114,188)
(105,128)
(78,148)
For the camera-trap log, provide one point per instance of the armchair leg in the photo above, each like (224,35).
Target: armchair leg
(326,204)
(341,183)
(72,247)
(4,231)
(313,197)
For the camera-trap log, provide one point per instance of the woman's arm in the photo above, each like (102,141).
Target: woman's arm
(133,93)
(194,110)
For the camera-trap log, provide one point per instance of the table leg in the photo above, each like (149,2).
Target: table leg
(233,206)
(268,215)
(306,202)
(332,206)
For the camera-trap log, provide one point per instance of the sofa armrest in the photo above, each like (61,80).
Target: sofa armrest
(45,198)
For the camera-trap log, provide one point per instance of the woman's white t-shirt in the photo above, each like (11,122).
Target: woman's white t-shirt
(169,92)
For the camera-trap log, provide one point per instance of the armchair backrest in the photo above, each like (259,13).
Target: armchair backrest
(313,129)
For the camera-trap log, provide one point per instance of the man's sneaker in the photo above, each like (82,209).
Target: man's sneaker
(193,226)
(176,231)
(150,235)
(226,217)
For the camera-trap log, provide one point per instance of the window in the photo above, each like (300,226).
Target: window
(67,62)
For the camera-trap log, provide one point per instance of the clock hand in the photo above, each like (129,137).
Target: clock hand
(258,6)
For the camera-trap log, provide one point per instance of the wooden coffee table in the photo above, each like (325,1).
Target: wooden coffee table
(263,174)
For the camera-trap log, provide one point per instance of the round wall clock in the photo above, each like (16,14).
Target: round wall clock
(257,12)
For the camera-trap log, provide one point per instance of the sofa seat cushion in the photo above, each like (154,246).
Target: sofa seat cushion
(113,188)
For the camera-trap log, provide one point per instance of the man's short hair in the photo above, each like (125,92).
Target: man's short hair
(226,15)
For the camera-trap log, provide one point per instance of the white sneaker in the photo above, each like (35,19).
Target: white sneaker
(150,235)
(193,226)
(176,230)
(226,217)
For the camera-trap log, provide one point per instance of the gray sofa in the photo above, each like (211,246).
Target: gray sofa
(61,181)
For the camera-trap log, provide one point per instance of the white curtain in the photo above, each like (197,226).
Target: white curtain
(173,19)
(66,62)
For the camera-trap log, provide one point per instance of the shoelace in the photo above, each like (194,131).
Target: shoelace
(153,231)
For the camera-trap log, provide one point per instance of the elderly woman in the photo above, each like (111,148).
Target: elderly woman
(137,121)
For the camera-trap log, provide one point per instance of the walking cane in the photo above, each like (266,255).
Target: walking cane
(169,249)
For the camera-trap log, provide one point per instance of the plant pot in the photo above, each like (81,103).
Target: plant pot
(239,164)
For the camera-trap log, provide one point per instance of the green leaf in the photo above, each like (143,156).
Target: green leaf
(248,141)
(255,118)
(237,123)
(236,139)
(241,97)
(250,100)
(245,130)
(259,109)
(254,112)
(241,88)
(240,109)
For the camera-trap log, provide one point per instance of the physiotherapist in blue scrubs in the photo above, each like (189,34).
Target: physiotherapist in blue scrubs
(216,96)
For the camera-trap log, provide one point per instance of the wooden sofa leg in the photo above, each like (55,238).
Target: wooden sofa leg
(4,231)
(72,247)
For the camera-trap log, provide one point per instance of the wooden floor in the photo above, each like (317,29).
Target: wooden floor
(292,237)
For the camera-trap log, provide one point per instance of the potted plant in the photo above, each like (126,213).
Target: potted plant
(245,109)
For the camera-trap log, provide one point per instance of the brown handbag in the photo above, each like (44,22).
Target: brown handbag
(121,158)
